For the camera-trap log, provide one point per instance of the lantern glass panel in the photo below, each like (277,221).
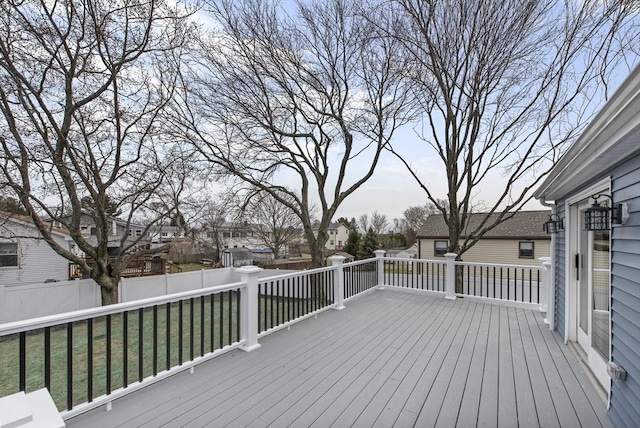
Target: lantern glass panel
(549,227)
(596,218)
(552,226)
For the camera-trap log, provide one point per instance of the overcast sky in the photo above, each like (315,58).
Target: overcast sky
(392,189)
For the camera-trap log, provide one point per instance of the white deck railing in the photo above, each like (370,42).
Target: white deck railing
(90,357)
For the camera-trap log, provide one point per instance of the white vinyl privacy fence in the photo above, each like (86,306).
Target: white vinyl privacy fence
(21,302)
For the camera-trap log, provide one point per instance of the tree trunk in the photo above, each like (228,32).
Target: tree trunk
(459,276)
(109,294)
(108,287)
(317,256)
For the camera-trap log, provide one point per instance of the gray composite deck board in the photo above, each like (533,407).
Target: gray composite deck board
(525,403)
(473,386)
(507,409)
(391,358)
(488,407)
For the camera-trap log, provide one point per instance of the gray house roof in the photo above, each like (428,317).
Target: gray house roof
(523,225)
(240,253)
(24,221)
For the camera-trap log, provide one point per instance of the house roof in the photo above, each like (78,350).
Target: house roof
(240,253)
(523,225)
(26,221)
(336,225)
(330,253)
(411,250)
(261,251)
(393,251)
(612,136)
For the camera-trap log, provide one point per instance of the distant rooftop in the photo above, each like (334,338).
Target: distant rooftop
(27,221)
(523,225)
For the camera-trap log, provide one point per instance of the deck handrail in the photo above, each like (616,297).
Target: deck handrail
(359,262)
(532,267)
(245,311)
(294,274)
(83,314)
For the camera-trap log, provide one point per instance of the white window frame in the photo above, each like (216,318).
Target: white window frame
(10,254)
(435,247)
(520,249)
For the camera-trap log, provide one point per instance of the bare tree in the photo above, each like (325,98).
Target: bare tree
(298,96)
(83,87)
(273,223)
(379,223)
(363,223)
(505,86)
(414,218)
(214,217)
(411,223)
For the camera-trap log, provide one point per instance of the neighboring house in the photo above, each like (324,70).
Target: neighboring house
(245,235)
(519,240)
(236,257)
(408,253)
(597,272)
(234,235)
(393,252)
(262,255)
(338,235)
(25,257)
(348,258)
(159,234)
(155,235)
(117,229)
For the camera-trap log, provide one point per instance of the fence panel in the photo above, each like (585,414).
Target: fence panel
(19,302)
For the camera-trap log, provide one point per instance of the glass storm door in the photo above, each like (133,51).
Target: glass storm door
(594,292)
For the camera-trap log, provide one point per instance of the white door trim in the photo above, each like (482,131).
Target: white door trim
(572,230)
(571,241)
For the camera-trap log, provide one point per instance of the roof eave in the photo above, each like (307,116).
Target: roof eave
(613,135)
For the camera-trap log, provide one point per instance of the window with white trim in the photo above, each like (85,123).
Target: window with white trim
(8,254)
(440,248)
(525,250)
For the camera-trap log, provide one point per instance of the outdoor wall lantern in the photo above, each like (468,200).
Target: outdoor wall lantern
(597,217)
(553,226)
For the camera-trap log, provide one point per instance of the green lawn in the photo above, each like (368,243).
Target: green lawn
(190,267)
(218,324)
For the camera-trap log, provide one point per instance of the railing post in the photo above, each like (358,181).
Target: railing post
(450,284)
(338,282)
(249,307)
(380,265)
(544,285)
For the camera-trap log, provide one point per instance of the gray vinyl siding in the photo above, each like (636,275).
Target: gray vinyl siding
(560,273)
(37,261)
(625,296)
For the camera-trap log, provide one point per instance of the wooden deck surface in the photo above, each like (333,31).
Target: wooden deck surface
(391,358)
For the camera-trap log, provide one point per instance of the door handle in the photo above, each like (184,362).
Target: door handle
(577,264)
